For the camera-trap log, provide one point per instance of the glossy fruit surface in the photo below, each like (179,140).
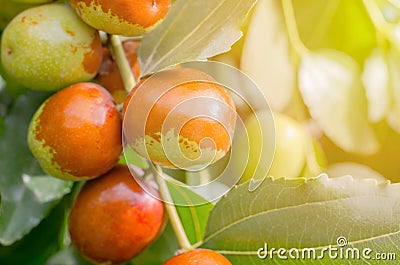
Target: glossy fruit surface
(76,133)
(113,219)
(180,118)
(48,47)
(122,17)
(109,75)
(198,257)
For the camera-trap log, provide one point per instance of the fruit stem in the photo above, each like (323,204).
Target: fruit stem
(311,156)
(124,38)
(396,3)
(173,215)
(122,62)
(291,25)
(129,84)
(195,178)
(377,17)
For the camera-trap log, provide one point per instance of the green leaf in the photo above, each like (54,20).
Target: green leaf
(1,124)
(194,216)
(133,158)
(390,10)
(5,98)
(336,24)
(70,256)
(36,247)
(193,30)
(393,63)
(375,78)
(331,87)
(354,169)
(22,206)
(266,48)
(67,253)
(161,250)
(46,188)
(300,213)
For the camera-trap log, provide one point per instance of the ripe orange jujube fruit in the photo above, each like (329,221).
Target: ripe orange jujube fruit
(109,75)
(122,17)
(76,133)
(198,257)
(180,117)
(113,219)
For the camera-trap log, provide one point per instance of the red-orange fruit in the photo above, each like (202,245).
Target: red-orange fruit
(109,75)
(198,257)
(179,117)
(113,219)
(122,17)
(76,133)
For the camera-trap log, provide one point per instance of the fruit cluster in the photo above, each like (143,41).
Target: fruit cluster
(76,134)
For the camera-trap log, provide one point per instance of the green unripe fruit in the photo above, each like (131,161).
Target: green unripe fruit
(48,47)
(290,153)
(13,87)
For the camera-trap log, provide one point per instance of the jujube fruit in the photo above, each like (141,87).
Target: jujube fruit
(290,150)
(109,75)
(122,17)
(180,117)
(198,257)
(76,133)
(49,47)
(13,87)
(113,219)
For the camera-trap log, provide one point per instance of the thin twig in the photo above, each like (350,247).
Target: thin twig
(129,83)
(291,25)
(176,223)
(122,62)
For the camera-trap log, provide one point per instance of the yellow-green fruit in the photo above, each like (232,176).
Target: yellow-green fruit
(13,87)
(290,155)
(48,47)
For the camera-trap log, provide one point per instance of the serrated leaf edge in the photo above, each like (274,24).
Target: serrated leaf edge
(323,177)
